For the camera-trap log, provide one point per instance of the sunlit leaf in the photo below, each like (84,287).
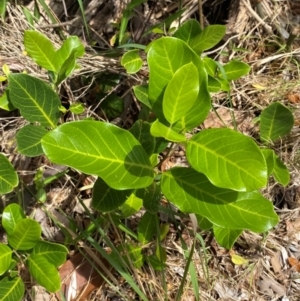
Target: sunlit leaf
(190,32)
(54,253)
(160,130)
(11,215)
(209,37)
(229,159)
(181,93)
(5,258)
(44,272)
(35,99)
(276,121)
(41,50)
(235,70)
(141,93)
(132,61)
(26,234)
(101,149)
(11,289)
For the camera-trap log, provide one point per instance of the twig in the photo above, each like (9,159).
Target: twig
(267,27)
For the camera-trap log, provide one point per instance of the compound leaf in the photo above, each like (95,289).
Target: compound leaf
(101,149)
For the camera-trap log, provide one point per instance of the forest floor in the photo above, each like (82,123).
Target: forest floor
(268,267)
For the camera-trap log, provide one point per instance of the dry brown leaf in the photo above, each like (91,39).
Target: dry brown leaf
(276,263)
(79,278)
(267,285)
(293,98)
(294,263)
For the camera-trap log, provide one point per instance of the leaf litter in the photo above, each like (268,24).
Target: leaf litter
(272,269)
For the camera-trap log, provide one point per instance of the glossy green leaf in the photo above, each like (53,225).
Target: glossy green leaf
(8,176)
(11,289)
(131,206)
(132,61)
(26,234)
(72,45)
(141,131)
(65,70)
(77,108)
(165,56)
(54,253)
(35,99)
(275,121)
(101,149)
(235,70)
(160,130)
(269,157)
(151,197)
(280,171)
(11,215)
(226,237)
(41,50)
(190,32)
(44,272)
(197,114)
(210,37)
(181,93)
(29,140)
(146,227)
(228,158)
(106,199)
(141,93)
(5,258)
(192,192)
(210,66)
